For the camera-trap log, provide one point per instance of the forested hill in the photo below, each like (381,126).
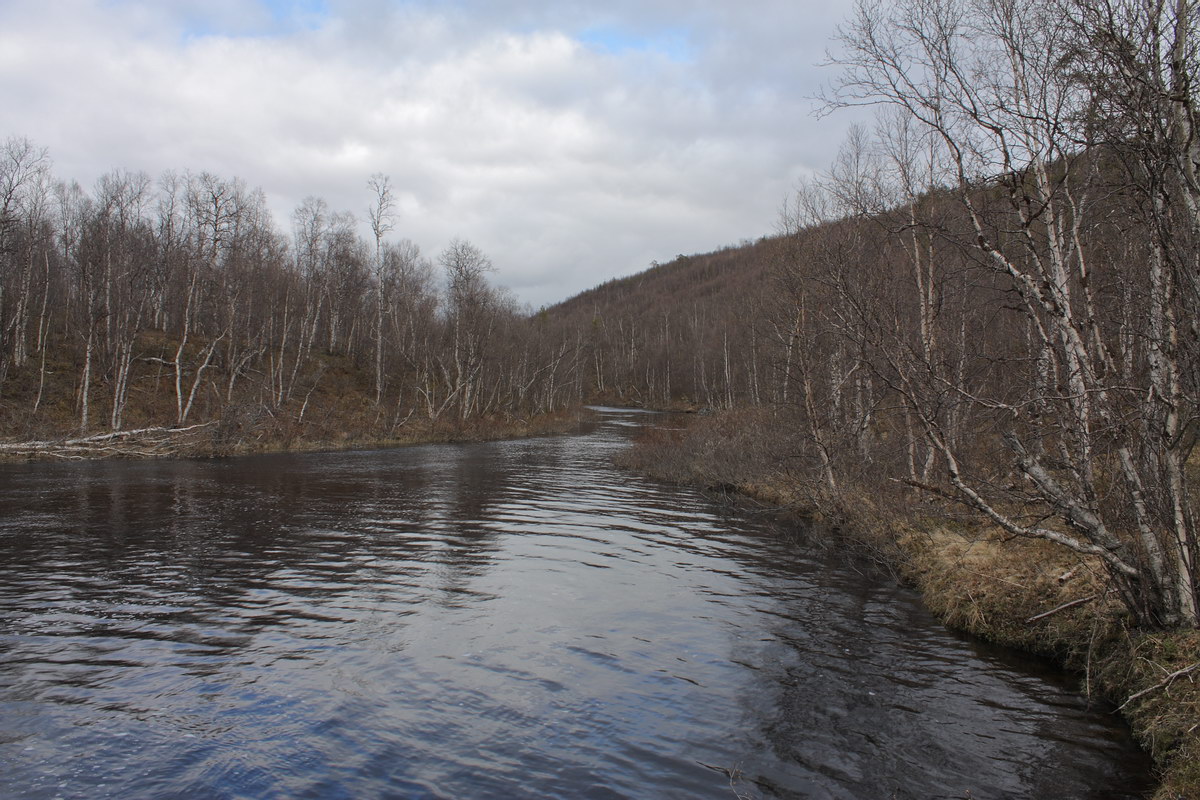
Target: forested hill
(676,333)
(727,274)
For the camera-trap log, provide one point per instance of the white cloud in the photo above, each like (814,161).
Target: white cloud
(571,145)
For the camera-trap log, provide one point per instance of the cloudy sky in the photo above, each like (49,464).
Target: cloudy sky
(571,141)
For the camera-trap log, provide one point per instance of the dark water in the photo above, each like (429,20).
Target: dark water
(504,620)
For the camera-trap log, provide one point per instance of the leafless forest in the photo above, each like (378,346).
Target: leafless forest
(990,298)
(176,301)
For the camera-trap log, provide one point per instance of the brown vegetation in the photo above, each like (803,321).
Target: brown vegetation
(337,413)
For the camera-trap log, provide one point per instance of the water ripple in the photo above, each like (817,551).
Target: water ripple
(513,619)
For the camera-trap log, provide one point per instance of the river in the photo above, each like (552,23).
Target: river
(501,620)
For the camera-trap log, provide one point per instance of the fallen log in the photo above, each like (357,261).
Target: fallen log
(155,441)
(1063,607)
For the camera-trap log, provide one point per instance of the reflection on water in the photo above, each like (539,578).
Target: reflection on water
(512,619)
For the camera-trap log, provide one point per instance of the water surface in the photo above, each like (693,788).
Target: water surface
(502,620)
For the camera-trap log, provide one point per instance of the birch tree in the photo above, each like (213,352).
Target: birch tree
(995,81)
(382,218)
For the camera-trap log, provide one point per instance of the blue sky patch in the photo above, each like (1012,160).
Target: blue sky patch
(282,17)
(291,14)
(672,43)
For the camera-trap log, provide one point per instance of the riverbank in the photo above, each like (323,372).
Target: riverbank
(1019,593)
(266,432)
(334,407)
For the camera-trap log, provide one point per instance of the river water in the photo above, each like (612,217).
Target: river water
(502,620)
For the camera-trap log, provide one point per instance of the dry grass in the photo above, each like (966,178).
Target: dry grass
(978,581)
(993,587)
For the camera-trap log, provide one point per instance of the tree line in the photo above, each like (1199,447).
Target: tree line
(183,291)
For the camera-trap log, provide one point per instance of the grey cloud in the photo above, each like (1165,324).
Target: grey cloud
(566,162)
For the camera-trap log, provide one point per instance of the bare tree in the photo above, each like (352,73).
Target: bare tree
(24,170)
(993,81)
(469,310)
(382,219)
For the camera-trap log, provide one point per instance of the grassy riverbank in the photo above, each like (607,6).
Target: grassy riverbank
(481,429)
(333,408)
(215,439)
(1020,593)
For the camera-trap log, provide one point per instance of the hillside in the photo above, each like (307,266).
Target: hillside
(725,275)
(679,333)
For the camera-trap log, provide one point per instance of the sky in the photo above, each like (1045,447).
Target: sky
(571,141)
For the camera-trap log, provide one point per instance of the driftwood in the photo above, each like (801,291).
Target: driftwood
(1063,607)
(158,441)
(1179,673)
(1066,576)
